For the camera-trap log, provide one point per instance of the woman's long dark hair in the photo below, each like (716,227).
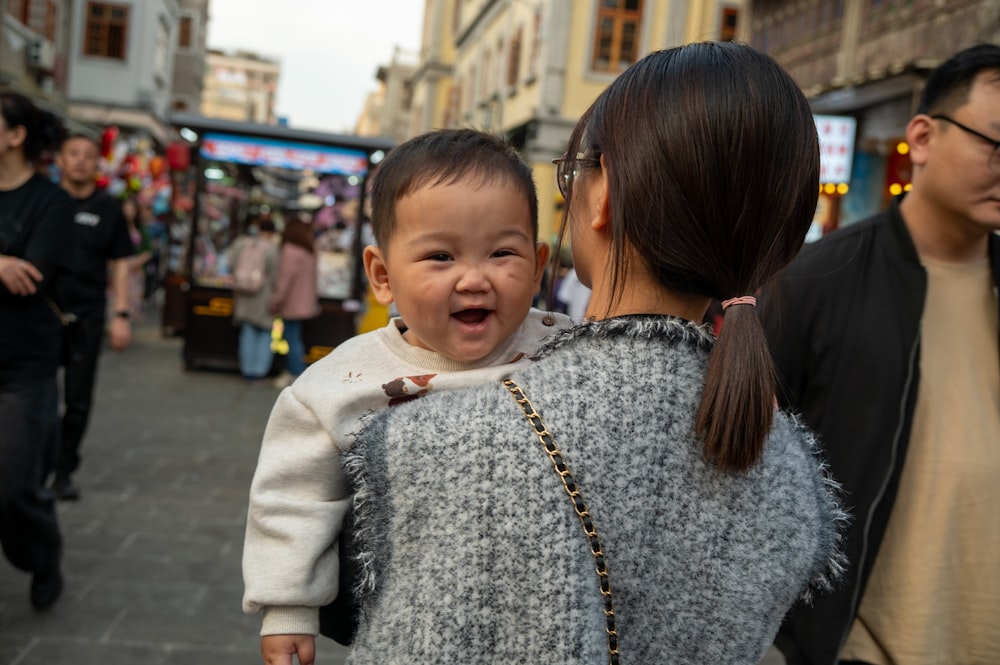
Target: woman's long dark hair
(44,130)
(712,166)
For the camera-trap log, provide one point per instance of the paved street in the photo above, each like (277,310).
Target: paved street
(152,552)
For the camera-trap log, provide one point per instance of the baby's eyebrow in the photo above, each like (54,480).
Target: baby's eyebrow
(431,237)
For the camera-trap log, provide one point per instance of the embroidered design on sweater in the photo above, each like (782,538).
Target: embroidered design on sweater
(403,389)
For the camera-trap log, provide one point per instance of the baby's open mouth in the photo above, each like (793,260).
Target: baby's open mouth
(472,315)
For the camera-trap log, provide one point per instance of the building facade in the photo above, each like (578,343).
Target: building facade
(867,60)
(241,86)
(189,60)
(34,49)
(387,111)
(121,64)
(529,68)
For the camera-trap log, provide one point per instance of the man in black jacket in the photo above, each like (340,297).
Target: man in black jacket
(885,339)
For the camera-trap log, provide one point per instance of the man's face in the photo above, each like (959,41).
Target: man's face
(77,161)
(961,170)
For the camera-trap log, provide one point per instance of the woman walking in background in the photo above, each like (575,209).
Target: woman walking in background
(295,295)
(254,258)
(134,217)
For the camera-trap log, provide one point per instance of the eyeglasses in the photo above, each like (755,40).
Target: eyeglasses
(568,169)
(994,163)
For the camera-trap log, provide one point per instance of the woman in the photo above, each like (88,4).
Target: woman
(35,218)
(295,297)
(134,213)
(661,510)
(255,254)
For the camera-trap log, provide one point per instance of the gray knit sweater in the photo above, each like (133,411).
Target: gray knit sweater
(472,552)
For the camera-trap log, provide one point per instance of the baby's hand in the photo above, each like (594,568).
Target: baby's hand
(278,649)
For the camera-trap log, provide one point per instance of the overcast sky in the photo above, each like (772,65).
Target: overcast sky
(329,49)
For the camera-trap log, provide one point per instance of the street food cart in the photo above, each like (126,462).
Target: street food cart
(235,172)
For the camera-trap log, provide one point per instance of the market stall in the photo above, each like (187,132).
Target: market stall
(238,171)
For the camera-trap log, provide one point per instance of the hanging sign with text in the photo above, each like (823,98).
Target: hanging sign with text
(836,147)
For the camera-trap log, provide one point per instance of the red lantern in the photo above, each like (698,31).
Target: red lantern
(178,156)
(108,137)
(130,165)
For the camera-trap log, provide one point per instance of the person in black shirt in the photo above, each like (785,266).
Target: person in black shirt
(101,238)
(35,217)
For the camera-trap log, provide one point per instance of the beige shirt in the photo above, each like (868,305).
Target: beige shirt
(934,592)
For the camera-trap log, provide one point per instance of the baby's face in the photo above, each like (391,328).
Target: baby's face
(462,266)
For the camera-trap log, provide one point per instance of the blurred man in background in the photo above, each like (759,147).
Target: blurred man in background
(102,245)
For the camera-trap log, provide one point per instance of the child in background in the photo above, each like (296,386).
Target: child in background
(455,217)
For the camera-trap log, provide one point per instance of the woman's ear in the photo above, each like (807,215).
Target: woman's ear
(378,274)
(19,135)
(600,196)
(541,260)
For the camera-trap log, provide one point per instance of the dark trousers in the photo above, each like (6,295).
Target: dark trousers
(81,351)
(29,529)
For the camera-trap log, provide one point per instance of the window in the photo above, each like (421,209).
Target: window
(484,79)
(470,93)
(106,30)
(536,43)
(497,75)
(616,40)
(451,112)
(730,23)
(38,15)
(514,59)
(184,36)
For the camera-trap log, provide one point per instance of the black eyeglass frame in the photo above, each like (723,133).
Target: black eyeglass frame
(566,171)
(996,144)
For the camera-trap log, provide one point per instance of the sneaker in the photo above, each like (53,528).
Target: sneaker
(46,587)
(65,489)
(283,380)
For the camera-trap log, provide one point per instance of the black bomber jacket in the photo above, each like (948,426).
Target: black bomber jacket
(843,324)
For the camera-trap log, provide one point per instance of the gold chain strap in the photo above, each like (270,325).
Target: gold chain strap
(576,497)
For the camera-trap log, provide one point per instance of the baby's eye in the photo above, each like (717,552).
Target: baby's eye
(504,252)
(438,256)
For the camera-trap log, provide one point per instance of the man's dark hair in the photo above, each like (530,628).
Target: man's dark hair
(80,135)
(949,83)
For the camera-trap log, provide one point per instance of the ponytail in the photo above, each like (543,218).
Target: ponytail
(737,405)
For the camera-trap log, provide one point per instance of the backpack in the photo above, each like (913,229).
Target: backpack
(251,266)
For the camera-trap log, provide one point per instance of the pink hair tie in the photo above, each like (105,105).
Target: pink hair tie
(742,300)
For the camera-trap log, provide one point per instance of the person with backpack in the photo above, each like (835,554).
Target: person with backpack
(254,257)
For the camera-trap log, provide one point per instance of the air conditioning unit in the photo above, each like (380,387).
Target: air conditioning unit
(41,55)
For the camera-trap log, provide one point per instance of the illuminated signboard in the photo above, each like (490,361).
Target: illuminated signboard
(284,154)
(836,147)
